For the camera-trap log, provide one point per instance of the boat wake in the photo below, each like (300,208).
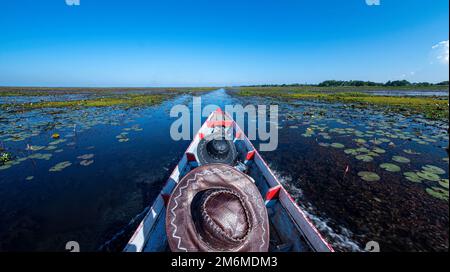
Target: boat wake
(341,240)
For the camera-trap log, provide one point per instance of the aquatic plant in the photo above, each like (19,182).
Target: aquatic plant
(433,169)
(412,176)
(400,159)
(337,145)
(428,176)
(390,167)
(438,193)
(364,158)
(368,176)
(60,166)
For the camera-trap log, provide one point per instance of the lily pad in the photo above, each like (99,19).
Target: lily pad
(360,141)
(86,162)
(390,167)
(60,166)
(86,156)
(368,176)
(411,176)
(351,151)
(411,152)
(433,169)
(438,193)
(444,183)
(324,144)
(29,178)
(364,158)
(337,145)
(428,176)
(379,150)
(400,159)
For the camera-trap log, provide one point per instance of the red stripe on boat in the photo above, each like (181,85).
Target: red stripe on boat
(190,157)
(250,155)
(201,136)
(273,193)
(238,135)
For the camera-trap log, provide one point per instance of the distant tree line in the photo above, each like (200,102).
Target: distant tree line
(358,83)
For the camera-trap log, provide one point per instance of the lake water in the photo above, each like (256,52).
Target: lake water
(109,165)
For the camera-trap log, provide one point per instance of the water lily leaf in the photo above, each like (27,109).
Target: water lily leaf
(60,166)
(351,151)
(368,176)
(411,176)
(428,176)
(379,150)
(360,141)
(390,167)
(86,162)
(400,159)
(5,166)
(411,152)
(444,183)
(324,144)
(364,158)
(337,145)
(433,169)
(86,156)
(29,178)
(438,193)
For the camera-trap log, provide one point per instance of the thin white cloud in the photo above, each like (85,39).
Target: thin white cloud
(440,51)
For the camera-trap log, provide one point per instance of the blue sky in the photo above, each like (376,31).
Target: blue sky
(220,42)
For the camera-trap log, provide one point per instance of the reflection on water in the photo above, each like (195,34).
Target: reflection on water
(109,164)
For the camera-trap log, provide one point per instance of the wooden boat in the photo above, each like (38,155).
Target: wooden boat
(290,228)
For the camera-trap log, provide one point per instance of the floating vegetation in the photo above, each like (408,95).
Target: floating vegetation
(411,152)
(29,178)
(58,150)
(433,169)
(86,156)
(401,159)
(379,150)
(351,151)
(390,167)
(360,141)
(55,136)
(438,193)
(324,144)
(34,147)
(5,166)
(5,157)
(57,142)
(122,137)
(86,162)
(60,166)
(337,145)
(40,156)
(364,158)
(444,183)
(368,176)
(411,176)
(428,176)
